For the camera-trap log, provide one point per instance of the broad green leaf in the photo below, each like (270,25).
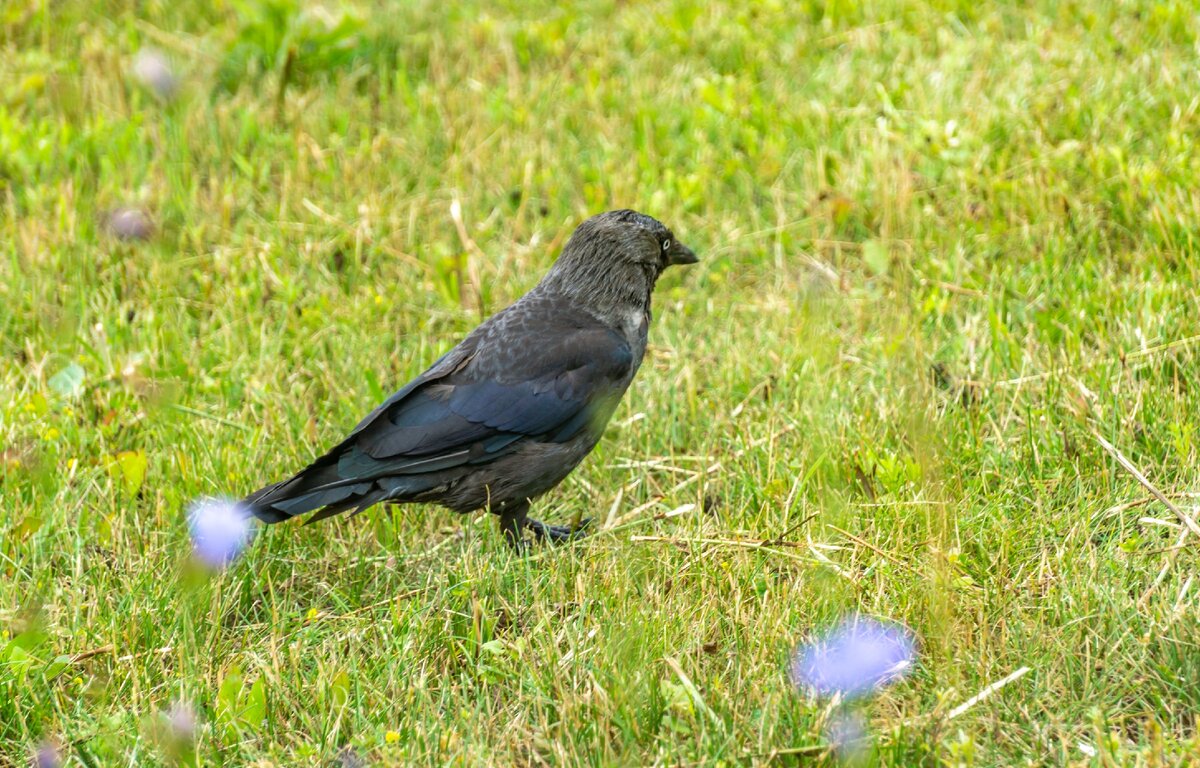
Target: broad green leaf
(493,647)
(130,467)
(69,381)
(254,707)
(227,696)
(339,690)
(57,667)
(26,528)
(877,257)
(19,662)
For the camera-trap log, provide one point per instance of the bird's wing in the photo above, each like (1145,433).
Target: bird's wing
(443,366)
(498,386)
(493,399)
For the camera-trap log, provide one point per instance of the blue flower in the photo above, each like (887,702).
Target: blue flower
(858,657)
(47,756)
(152,69)
(130,223)
(220,531)
(181,720)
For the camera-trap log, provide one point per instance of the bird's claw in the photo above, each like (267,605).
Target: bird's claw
(557,534)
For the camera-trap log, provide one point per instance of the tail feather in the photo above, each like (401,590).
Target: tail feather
(301,493)
(320,488)
(358,504)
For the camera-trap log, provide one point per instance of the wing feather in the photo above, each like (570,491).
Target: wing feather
(477,402)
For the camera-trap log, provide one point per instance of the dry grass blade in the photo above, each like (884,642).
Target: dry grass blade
(1168,561)
(1187,341)
(885,555)
(692,690)
(88,654)
(711,469)
(1116,509)
(1184,517)
(743,543)
(987,692)
(1187,520)
(466,271)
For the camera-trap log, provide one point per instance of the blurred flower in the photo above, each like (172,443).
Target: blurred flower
(47,756)
(174,732)
(220,530)
(130,224)
(858,657)
(152,69)
(348,757)
(391,737)
(181,720)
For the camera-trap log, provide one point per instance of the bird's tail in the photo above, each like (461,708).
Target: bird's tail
(320,488)
(317,487)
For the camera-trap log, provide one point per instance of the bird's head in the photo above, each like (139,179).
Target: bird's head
(613,260)
(624,239)
(627,237)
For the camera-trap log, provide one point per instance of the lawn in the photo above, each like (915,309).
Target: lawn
(949,253)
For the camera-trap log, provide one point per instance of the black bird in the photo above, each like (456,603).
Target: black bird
(509,412)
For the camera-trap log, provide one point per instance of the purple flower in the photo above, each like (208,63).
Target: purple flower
(152,69)
(181,719)
(130,224)
(220,530)
(47,756)
(856,658)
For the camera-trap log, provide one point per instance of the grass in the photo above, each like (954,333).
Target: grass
(945,246)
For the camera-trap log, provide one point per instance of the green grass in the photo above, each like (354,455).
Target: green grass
(944,246)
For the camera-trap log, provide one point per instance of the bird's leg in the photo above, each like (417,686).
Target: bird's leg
(556,533)
(512,524)
(514,521)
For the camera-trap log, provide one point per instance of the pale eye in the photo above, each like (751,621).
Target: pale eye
(666,244)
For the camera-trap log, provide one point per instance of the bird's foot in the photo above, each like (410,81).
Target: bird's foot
(513,523)
(556,534)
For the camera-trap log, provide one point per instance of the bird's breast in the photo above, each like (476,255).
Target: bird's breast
(634,324)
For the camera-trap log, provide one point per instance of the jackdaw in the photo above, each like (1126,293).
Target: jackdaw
(504,416)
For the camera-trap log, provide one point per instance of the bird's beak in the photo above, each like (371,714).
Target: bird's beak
(680,254)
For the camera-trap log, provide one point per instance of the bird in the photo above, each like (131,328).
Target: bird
(509,412)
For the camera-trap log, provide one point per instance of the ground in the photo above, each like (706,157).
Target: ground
(947,249)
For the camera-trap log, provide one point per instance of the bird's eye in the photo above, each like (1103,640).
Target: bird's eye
(666,244)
